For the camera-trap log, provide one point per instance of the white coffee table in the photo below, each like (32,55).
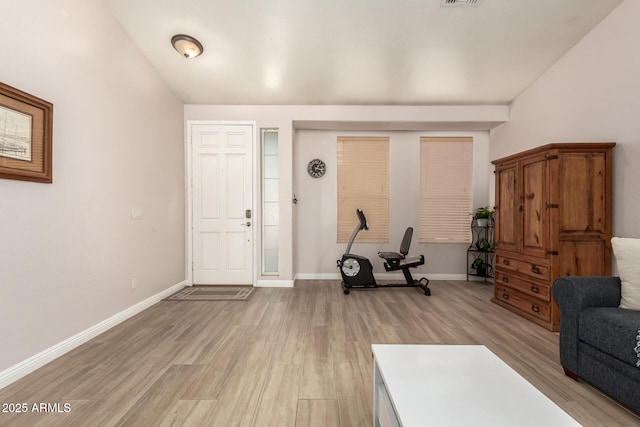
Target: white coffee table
(455,385)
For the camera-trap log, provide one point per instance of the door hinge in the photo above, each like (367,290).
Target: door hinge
(552,205)
(552,253)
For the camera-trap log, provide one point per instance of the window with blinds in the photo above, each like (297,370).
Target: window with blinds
(363,183)
(446,168)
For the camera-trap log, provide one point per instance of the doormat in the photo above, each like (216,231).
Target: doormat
(213,293)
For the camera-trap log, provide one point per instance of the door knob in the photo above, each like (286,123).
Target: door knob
(246,224)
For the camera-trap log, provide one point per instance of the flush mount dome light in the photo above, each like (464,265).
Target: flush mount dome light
(187,46)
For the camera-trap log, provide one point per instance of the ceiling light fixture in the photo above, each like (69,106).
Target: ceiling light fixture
(187,46)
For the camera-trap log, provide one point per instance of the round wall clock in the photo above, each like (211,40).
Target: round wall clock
(316,168)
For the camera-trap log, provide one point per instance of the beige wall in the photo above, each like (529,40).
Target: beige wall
(297,256)
(315,247)
(264,118)
(591,94)
(69,250)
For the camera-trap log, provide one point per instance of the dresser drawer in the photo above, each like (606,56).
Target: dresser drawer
(536,308)
(537,269)
(538,289)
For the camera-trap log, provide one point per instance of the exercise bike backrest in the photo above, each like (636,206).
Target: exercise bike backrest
(362,219)
(362,225)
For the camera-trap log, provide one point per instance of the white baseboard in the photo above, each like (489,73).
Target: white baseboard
(386,276)
(274,284)
(455,277)
(318,276)
(29,365)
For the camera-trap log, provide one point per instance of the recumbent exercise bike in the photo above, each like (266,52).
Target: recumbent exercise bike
(357,271)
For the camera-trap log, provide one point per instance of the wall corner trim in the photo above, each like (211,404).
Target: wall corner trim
(29,365)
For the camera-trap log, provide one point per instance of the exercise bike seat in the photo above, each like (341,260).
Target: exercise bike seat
(395,258)
(391,256)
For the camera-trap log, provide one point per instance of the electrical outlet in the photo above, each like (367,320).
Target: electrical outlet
(134,283)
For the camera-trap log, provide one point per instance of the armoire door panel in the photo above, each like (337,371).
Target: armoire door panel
(507,209)
(582,189)
(582,258)
(534,209)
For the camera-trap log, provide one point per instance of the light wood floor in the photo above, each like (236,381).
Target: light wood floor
(288,357)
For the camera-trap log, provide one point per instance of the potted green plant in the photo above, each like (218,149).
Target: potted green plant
(480,266)
(483,244)
(483,215)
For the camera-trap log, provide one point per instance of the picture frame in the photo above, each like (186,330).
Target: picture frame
(26,133)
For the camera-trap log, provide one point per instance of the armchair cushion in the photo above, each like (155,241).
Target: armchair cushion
(573,295)
(599,342)
(612,330)
(627,253)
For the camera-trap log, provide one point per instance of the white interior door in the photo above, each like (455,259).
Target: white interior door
(222,196)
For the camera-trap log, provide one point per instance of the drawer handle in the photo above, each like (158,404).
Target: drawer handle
(505,295)
(535,309)
(535,269)
(505,279)
(535,290)
(505,261)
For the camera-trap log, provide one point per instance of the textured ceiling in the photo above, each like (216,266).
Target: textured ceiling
(357,52)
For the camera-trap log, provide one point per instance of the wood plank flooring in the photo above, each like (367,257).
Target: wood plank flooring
(287,357)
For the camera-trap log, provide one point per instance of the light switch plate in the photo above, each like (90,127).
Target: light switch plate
(136,213)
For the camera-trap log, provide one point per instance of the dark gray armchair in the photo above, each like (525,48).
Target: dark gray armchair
(598,340)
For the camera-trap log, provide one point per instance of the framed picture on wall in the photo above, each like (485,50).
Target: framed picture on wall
(26,130)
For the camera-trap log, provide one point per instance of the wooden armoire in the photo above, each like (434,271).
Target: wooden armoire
(552,219)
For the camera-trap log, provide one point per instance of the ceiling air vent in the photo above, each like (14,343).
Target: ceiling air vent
(460,2)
